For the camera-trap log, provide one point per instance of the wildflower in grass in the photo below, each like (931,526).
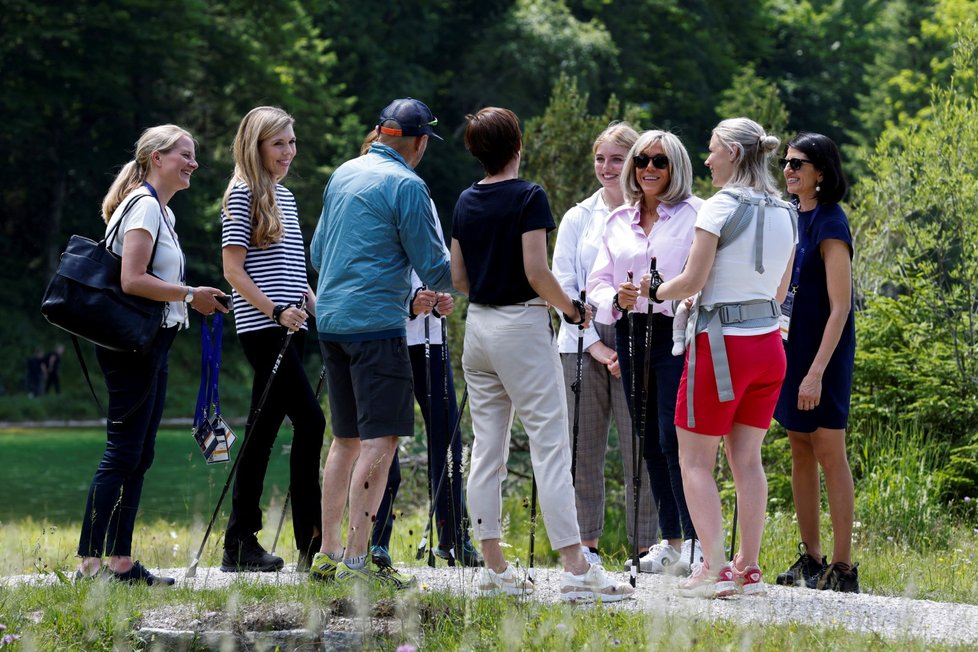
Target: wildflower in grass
(7,639)
(407,647)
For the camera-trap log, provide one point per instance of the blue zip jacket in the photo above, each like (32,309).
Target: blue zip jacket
(376,226)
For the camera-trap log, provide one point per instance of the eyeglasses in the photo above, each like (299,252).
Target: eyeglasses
(794,163)
(659,161)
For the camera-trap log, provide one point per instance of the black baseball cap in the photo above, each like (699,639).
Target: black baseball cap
(413,118)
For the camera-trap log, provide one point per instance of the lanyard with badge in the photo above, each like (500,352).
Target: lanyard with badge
(789,300)
(212,433)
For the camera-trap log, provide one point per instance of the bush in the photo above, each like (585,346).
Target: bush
(903,373)
(897,491)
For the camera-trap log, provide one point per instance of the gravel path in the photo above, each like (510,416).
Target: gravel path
(893,618)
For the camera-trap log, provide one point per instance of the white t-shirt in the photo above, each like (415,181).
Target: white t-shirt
(168,264)
(415,327)
(733,278)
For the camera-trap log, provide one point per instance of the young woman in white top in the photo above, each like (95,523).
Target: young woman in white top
(135,209)
(579,237)
(736,363)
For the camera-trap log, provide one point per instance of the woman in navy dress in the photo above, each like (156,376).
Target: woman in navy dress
(820,347)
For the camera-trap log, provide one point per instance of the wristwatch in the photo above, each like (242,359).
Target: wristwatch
(190,295)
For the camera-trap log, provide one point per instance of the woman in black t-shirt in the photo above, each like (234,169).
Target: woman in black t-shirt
(499,259)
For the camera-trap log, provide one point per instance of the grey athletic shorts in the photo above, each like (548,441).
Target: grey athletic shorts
(371,388)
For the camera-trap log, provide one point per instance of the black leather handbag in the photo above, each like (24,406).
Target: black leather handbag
(85,296)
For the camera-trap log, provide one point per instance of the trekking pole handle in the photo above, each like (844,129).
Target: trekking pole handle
(580,328)
(654,282)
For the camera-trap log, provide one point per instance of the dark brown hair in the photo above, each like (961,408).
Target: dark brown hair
(493,136)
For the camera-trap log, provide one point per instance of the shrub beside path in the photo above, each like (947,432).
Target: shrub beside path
(892,618)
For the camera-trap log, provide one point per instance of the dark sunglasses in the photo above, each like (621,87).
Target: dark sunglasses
(659,161)
(794,163)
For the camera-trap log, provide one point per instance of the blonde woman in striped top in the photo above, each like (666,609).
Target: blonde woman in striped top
(264,260)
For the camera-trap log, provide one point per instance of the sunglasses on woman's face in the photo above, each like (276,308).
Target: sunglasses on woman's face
(794,163)
(659,161)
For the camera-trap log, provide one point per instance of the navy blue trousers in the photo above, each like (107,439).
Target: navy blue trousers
(137,391)
(661,446)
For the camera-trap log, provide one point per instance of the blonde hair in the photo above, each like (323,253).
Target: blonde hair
(618,133)
(258,125)
(680,169)
(753,148)
(368,140)
(161,138)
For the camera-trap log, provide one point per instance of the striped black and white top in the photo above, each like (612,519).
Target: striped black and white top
(279,271)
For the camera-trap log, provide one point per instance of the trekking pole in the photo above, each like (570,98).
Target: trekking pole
(642,410)
(441,479)
(192,569)
(455,552)
(427,383)
(733,529)
(576,388)
(288,494)
(636,444)
(533,519)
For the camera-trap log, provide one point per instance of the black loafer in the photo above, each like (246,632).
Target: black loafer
(139,575)
(247,555)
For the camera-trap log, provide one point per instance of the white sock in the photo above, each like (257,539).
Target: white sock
(356,563)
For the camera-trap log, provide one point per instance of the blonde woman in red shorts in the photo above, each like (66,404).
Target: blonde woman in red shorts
(736,363)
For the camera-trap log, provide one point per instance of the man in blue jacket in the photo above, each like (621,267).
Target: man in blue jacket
(376,226)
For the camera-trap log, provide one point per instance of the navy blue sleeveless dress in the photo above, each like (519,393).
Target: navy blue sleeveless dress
(810,313)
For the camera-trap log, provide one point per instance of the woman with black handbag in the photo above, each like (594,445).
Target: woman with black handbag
(152,267)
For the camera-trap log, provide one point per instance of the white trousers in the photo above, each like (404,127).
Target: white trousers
(512,367)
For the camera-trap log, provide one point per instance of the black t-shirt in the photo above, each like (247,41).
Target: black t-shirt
(489,222)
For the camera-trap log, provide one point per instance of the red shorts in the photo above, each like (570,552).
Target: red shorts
(757,366)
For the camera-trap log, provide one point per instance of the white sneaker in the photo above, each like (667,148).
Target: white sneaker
(595,584)
(506,583)
(592,558)
(685,565)
(659,557)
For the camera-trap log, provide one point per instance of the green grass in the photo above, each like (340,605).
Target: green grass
(53,469)
(906,541)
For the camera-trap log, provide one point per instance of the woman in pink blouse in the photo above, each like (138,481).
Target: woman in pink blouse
(656,221)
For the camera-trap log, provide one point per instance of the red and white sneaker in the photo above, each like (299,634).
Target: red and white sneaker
(726,584)
(750,581)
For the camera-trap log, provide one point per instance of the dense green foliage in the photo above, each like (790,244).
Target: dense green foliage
(81,80)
